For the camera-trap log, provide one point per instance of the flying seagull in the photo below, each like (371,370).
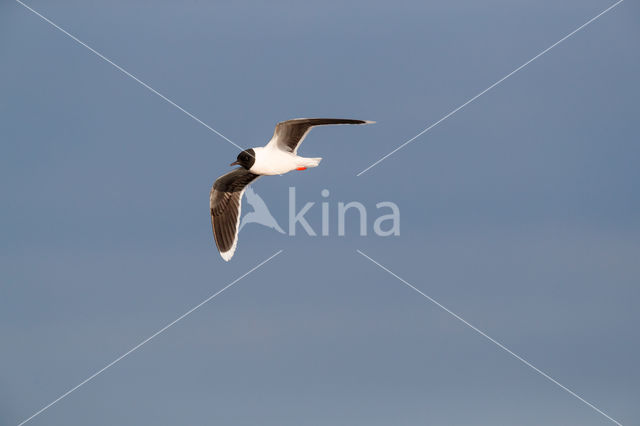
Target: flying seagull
(278,156)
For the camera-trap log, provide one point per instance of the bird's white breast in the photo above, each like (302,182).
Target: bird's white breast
(270,161)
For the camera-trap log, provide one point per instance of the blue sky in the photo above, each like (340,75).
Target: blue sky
(520,213)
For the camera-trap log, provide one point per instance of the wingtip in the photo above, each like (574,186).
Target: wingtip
(369,122)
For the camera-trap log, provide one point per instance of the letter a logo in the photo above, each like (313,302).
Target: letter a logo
(260,214)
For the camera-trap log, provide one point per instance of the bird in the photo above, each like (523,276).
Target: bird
(277,157)
(260,213)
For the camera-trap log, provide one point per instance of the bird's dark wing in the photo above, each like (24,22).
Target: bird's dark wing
(225,202)
(289,134)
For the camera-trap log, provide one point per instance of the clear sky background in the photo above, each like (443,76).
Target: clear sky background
(521,213)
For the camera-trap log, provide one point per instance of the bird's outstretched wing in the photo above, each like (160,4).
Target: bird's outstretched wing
(289,134)
(225,202)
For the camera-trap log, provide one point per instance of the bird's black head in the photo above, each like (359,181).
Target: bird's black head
(245,159)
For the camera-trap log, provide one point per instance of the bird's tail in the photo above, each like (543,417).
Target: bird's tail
(311,162)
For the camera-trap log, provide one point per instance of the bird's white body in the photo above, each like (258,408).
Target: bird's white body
(271,160)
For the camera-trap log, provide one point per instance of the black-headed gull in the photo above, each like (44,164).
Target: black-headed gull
(277,157)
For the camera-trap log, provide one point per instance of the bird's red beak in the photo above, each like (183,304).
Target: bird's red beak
(235,163)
